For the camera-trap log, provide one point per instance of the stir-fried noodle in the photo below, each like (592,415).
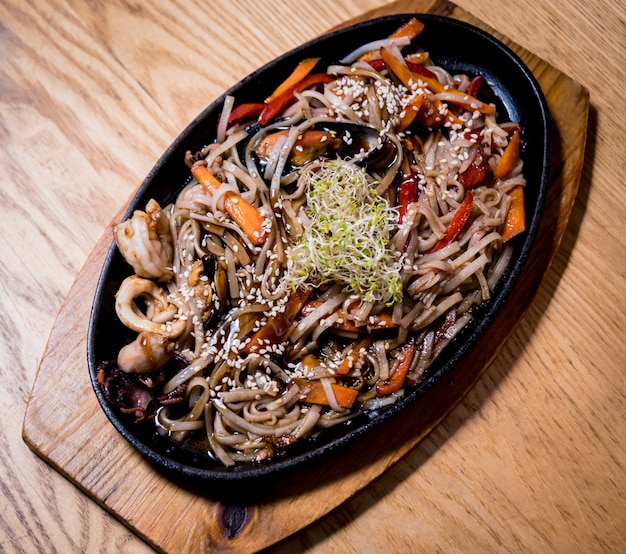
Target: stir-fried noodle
(297,281)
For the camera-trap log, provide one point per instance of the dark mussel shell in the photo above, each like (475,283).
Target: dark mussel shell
(456,46)
(362,144)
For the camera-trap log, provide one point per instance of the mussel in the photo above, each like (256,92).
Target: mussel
(362,144)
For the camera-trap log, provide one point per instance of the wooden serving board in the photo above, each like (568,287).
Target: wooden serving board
(72,433)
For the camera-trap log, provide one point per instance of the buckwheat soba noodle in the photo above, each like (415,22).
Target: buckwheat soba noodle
(330,243)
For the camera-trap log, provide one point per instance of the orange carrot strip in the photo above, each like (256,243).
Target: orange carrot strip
(410,29)
(463,99)
(277,326)
(309,363)
(509,157)
(313,392)
(400,70)
(244,214)
(406,76)
(300,72)
(247,217)
(399,375)
(515,222)
(210,183)
(348,362)
(410,112)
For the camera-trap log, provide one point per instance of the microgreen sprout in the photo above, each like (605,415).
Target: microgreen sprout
(346,240)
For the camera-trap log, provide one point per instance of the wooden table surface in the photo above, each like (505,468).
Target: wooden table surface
(534,458)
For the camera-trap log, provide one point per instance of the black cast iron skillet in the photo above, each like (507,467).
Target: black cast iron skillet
(454,45)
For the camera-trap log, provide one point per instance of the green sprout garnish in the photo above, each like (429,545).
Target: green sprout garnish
(346,240)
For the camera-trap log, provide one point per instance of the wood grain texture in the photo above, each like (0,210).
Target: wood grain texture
(166,514)
(90,95)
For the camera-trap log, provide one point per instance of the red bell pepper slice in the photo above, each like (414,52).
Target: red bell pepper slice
(407,194)
(250,110)
(378,64)
(399,375)
(420,69)
(429,113)
(459,220)
(276,327)
(476,171)
(474,86)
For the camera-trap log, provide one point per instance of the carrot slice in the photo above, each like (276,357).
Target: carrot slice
(400,70)
(410,29)
(277,326)
(247,217)
(313,392)
(243,213)
(300,72)
(409,113)
(348,362)
(509,157)
(399,375)
(309,363)
(515,222)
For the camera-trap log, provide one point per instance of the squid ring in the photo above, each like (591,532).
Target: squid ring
(130,314)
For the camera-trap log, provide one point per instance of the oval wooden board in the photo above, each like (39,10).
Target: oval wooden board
(77,439)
